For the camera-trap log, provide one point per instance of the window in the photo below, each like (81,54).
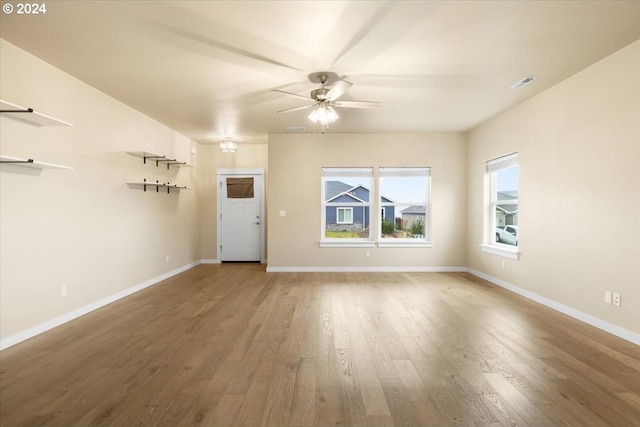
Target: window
(503,191)
(240,188)
(346,206)
(405,205)
(345,215)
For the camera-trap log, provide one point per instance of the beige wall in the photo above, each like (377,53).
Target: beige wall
(84,229)
(210,159)
(579,228)
(295,162)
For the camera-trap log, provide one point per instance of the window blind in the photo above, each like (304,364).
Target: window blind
(502,162)
(342,172)
(405,172)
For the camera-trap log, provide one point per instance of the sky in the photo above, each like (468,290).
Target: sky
(508,179)
(411,190)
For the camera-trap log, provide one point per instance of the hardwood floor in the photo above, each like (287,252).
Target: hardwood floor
(231,345)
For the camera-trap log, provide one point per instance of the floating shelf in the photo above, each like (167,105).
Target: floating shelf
(30,163)
(28,116)
(158,158)
(158,185)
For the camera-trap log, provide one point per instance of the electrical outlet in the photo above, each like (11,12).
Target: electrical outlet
(607,297)
(167,258)
(63,291)
(616,300)
(367,254)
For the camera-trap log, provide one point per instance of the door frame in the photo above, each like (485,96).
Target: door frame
(221,173)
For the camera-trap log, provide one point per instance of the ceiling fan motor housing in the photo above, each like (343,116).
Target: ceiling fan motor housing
(319,94)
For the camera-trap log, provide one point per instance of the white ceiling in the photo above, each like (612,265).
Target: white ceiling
(207,68)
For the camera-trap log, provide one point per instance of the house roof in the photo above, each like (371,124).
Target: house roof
(508,195)
(350,192)
(416,209)
(508,209)
(336,189)
(348,195)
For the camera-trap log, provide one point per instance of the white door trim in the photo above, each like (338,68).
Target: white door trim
(263,221)
(240,172)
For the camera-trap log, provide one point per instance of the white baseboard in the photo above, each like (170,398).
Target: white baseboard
(43,327)
(217,261)
(576,314)
(361,269)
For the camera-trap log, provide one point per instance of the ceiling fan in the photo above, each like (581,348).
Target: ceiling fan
(324,99)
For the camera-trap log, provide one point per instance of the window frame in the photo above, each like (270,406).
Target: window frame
(366,173)
(396,172)
(344,209)
(491,245)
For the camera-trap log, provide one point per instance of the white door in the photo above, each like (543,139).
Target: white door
(240,212)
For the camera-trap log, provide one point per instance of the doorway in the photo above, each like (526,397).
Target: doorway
(241,222)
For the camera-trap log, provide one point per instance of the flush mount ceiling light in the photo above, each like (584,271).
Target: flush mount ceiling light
(228,146)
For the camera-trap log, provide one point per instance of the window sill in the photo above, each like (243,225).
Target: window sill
(347,244)
(405,243)
(506,252)
(395,243)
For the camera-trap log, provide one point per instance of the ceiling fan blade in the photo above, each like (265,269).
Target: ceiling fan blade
(366,29)
(306,98)
(417,81)
(288,110)
(357,104)
(338,90)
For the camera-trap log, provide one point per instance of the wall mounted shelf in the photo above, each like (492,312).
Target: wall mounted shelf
(28,116)
(30,163)
(158,158)
(158,185)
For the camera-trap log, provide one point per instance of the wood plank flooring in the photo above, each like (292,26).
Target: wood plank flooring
(232,345)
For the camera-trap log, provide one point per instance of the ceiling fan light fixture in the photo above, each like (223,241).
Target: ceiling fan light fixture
(323,99)
(324,115)
(228,146)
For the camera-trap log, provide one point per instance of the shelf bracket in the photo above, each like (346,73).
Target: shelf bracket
(145,183)
(167,160)
(28,110)
(175,162)
(156,158)
(16,161)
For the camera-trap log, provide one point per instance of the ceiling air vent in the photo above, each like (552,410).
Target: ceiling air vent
(296,128)
(523,82)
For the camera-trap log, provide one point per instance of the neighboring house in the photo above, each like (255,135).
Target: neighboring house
(412,214)
(352,212)
(507,214)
